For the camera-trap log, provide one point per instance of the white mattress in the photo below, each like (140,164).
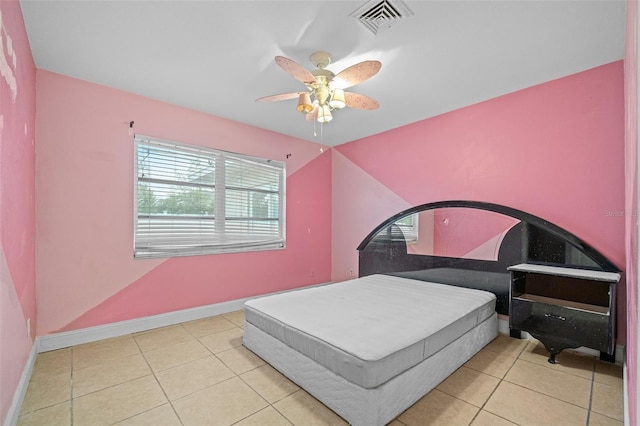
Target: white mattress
(371,328)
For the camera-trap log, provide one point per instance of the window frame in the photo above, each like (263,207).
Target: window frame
(150,252)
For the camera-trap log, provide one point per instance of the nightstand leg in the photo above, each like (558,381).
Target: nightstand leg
(606,357)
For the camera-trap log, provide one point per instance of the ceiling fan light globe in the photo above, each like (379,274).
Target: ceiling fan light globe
(324,114)
(306,108)
(337,100)
(304,103)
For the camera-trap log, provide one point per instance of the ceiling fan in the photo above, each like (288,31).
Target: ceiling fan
(325,87)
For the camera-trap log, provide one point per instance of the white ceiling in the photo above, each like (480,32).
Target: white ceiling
(218,56)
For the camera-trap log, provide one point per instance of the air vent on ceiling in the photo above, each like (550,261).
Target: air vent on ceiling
(379,15)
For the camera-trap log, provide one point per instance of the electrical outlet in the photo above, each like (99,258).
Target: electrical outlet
(350,272)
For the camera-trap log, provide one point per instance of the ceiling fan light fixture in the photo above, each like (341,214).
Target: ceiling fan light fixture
(325,90)
(324,114)
(337,100)
(304,103)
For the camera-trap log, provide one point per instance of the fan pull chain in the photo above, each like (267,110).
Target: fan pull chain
(315,134)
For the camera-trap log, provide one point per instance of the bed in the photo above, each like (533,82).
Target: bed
(369,348)
(495,282)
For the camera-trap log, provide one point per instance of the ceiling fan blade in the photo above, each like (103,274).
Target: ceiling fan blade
(280,97)
(356,74)
(295,70)
(313,114)
(358,101)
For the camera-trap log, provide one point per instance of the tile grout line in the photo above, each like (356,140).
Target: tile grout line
(239,377)
(269,404)
(481,372)
(212,354)
(158,382)
(500,381)
(588,409)
(547,395)
(593,379)
(291,421)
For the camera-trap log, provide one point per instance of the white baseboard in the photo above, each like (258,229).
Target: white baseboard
(503,324)
(91,334)
(625,393)
(21,390)
(76,337)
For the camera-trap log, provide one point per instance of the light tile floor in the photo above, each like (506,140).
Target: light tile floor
(198,373)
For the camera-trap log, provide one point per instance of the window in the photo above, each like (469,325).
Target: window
(409,227)
(192,200)
(404,229)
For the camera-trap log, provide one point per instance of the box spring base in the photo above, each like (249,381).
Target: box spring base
(376,406)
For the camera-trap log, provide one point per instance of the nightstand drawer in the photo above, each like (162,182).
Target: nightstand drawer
(573,326)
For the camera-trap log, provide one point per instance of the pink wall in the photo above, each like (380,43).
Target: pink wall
(360,203)
(460,233)
(555,150)
(84,217)
(631,198)
(17,211)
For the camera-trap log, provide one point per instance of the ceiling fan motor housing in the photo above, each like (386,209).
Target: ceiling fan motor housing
(321,89)
(320,59)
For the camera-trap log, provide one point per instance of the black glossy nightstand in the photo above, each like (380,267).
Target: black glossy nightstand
(564,307)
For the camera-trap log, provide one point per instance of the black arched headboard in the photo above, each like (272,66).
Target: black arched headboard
(452,258)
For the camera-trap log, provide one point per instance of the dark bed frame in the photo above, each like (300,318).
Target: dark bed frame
(532,241)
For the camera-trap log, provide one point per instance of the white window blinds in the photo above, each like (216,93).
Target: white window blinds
(191,200)
(409,227)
